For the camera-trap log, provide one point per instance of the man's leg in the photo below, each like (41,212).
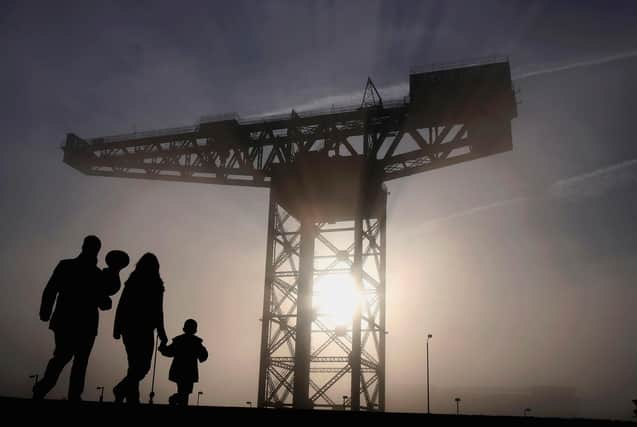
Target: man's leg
(83,347)
(61,356)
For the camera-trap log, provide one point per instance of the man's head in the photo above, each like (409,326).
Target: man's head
(91,246)
(190,326)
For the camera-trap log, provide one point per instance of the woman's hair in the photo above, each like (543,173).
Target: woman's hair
(147,267)
(148,263)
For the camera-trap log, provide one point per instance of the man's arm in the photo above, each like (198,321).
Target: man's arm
(111,282)
(50,293)
(203,354)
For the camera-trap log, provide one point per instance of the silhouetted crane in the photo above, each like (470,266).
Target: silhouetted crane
(325,171)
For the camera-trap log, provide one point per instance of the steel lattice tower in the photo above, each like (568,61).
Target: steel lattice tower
(327,210)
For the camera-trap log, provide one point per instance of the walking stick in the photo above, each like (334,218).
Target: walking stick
(152,387)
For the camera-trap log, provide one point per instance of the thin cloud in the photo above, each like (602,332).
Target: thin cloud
(434,223)
(597,61)
(597,181)
(585,185)
(400,90)
(389,93)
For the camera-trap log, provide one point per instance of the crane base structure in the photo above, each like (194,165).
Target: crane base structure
(327,212)
(326,218)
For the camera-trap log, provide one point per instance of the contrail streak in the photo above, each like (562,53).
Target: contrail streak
(604,178)
(400,90)
(431,224)
(394,92)
(597,61)
(586,184)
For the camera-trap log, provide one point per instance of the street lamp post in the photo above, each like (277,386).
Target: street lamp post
(428,406)
(457,399)
(199,393)
(101,398)
(34,377)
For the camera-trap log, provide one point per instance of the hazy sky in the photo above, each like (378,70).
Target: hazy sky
(523,265)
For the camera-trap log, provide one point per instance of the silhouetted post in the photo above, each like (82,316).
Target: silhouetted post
(249,403)
(457,399)
(101,396)
(344,402)
(199,393)
(35,379)
(526,411)
(428,407)
(152,386)
(635,410)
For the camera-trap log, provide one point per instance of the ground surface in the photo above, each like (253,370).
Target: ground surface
(52,412)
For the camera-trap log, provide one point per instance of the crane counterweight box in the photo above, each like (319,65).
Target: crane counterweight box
(461,95)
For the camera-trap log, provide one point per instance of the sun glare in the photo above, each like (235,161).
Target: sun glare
(335,298)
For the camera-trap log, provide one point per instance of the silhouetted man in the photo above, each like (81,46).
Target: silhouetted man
(77,288)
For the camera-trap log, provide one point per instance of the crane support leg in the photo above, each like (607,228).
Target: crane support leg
(309,360)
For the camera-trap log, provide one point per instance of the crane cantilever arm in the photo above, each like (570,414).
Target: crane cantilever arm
(439,126)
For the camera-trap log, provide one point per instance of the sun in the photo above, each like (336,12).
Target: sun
(335,298)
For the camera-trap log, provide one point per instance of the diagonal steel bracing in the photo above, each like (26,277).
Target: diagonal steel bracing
(332,349)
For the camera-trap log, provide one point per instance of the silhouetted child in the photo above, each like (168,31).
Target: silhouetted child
(186,350)
(116,261)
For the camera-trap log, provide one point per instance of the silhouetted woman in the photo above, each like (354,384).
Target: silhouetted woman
(139,314)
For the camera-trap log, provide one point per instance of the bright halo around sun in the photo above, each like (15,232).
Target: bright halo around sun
(335,298)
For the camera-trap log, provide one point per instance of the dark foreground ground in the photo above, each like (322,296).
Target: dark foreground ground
(55,412)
